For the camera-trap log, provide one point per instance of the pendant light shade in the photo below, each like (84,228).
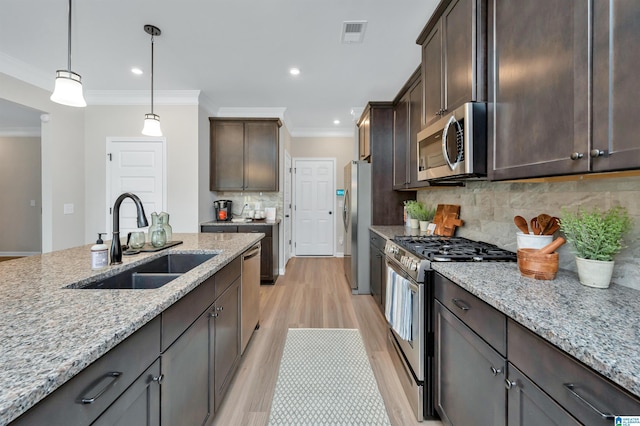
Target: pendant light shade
(68,87)
(152,121)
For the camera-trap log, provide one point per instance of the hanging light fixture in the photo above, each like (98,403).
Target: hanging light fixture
(68,87)
(152,121)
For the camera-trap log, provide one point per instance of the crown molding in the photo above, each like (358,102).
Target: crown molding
(142,97)
(320,132)
(20,132)
(261,112)
(25,72)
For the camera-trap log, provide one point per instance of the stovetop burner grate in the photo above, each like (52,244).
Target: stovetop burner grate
(454,249)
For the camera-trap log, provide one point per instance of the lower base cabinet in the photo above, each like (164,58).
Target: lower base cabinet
(377,269)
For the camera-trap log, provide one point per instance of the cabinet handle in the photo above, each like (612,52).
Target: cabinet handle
(158,379)
(114,375)
(509,384)
(576,156)
(213,315)
(460,304)
(595,153)
(220,308)
(496,371)
(571,388)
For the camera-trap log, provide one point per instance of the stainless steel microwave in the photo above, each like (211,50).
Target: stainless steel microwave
(454,147)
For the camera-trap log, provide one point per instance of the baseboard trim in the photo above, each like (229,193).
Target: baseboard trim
(18,253)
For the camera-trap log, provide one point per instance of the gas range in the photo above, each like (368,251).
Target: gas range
(415,253)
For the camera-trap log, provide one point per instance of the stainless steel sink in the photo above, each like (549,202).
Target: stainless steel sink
(150,275)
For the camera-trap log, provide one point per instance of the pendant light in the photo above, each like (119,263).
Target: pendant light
(152,121)
(68,87)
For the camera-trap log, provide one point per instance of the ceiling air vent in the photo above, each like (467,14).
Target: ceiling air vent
(353,31)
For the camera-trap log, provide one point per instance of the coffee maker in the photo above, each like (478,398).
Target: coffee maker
(222,210)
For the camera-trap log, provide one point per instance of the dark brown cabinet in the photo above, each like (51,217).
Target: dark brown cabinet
(616,60)
(407,122)
(377,269)
(386,204)
(538,109)
(244,154)
(364,138)
(453,57)
(269,258)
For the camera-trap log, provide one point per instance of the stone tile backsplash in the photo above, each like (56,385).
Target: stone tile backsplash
(267,199)
(488,209)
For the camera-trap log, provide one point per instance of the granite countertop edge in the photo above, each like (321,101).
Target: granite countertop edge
(592,325)
(45,344)
(253,222)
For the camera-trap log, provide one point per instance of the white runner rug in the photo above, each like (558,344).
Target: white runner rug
(325,379)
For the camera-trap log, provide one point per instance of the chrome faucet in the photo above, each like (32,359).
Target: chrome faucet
(116,248)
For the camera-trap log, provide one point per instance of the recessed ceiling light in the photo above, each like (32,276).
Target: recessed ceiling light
(294,71)
(336,121)
(136,71)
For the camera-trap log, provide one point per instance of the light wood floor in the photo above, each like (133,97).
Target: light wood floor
(313,294)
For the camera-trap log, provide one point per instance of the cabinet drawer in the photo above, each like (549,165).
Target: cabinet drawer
(219,228)
(482,318)
(227,275)
(377,241)
(179,316)
(555,371)
(265,229)
(98,381)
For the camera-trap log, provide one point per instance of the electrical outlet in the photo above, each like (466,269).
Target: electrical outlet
(68,208)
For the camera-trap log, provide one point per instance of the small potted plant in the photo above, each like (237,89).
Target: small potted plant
(596,237)
(424,216)
(413,208)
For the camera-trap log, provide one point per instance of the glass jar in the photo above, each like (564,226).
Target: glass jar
(164,221)
(158,237)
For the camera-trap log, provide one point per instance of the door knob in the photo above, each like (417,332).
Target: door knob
(330,212)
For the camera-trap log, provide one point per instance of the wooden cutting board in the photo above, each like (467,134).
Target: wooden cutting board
(446,219)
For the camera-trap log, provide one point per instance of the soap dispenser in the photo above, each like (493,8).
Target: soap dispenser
(99,254)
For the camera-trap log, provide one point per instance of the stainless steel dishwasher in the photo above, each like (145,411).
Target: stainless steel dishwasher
(250,290)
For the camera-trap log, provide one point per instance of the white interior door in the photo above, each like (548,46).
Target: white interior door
(287,207)
(314,207)
(135,165)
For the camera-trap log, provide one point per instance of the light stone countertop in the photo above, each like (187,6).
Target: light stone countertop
(599,327)
(50,333)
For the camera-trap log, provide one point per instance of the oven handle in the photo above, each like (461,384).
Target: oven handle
(412,284)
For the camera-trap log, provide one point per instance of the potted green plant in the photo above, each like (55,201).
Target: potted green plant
(425,215)
(596,237)
(413,209)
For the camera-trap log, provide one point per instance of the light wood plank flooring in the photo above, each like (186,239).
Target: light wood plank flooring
(313,294)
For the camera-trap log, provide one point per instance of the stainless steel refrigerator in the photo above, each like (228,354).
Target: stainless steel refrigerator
(356,216)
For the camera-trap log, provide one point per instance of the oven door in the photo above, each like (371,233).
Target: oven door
(411,346)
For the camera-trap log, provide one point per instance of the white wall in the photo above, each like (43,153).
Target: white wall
(62,163)
(179,127)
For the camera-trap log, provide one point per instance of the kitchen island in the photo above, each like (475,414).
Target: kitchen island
(598,327)
(50,332)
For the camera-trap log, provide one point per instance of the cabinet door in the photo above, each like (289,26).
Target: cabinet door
(138,405)
(458,32)
(469,374)
(616,61)
(400,142)
(415,125)
(266,259)
(261,156)
(538,96)
(225,341)
(376,261)
(227,156)
(530,406)
(432,76)
(186,370)
(364,137)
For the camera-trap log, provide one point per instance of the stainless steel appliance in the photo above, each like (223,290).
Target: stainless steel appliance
(409,258)
(454,147)
(250,294)
(222,210)
(356,217)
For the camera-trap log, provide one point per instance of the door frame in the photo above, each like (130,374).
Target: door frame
(287,210)
(110,140)
(294,201)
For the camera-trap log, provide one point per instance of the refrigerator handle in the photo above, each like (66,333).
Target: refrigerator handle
(345,210)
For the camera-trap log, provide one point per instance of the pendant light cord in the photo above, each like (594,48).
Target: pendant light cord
(69,41)
(152,40)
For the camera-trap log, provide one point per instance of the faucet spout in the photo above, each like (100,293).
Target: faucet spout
(116,248)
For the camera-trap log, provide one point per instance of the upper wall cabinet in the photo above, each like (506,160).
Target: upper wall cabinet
(453,57)
(244,154)
(616,61)
(407,122)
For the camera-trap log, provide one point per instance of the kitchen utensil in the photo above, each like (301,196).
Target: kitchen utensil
(552,227)
(538,266)
(543,221)
(450,214)
(522,224)
(551,247)
(535,227)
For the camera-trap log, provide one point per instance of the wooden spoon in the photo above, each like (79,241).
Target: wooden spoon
(552,227)
(522,225)
(543,222)
(535,227)
(551,247)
